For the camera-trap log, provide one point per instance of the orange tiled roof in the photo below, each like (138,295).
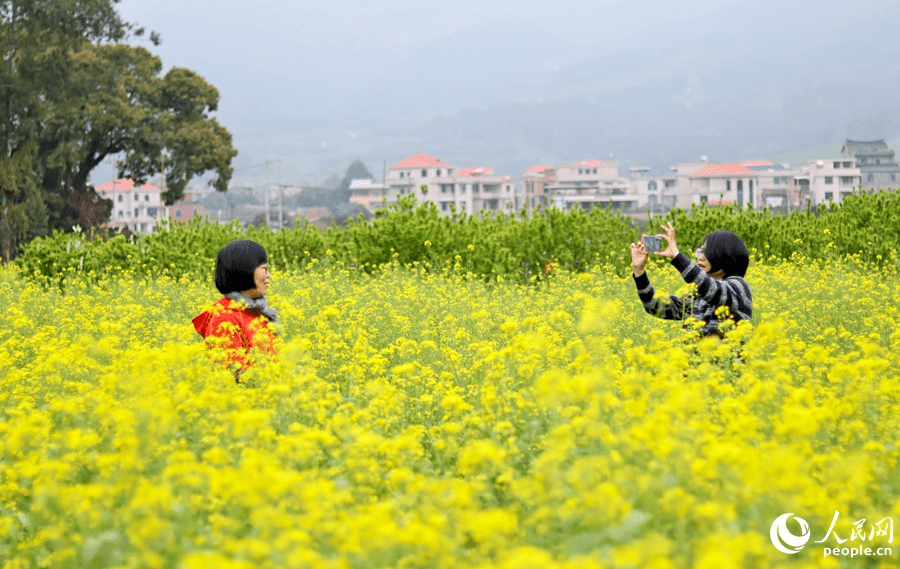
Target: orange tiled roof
(589,163)
(722,170)
(538,169)
(122,184)
(420,160)
(481,170)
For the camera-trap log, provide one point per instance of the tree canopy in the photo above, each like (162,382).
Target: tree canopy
(75,93)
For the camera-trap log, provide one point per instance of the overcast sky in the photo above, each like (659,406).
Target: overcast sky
(292,75)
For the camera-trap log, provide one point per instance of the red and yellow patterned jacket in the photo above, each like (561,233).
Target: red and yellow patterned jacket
(240,333)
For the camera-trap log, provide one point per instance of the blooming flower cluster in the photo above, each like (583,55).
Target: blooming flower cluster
(416,418)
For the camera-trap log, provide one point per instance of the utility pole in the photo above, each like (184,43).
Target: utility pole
(280,199)
(266,189)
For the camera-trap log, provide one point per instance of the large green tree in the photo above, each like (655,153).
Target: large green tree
(76,93)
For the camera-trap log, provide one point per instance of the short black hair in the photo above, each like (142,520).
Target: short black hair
(236,264)
(726,251)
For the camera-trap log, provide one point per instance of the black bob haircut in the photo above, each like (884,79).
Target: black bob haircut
(726,251)
(236,263)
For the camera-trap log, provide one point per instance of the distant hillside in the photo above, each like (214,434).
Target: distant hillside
(742,82)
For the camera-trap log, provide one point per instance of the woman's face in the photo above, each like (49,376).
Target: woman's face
(704,263)
(261,279)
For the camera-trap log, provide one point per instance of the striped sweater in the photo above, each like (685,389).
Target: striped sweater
(731,292)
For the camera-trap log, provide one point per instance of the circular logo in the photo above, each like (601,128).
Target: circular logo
(782,538)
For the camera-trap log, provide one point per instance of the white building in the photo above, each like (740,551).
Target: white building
(367,193)
(584,184)
(725,184)
(465,189)
(534,184)
(654,188)
(825,180)
(140,209)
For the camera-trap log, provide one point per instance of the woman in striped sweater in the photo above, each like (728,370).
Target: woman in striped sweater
(722,293)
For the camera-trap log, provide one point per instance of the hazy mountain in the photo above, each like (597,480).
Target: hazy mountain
(752,79)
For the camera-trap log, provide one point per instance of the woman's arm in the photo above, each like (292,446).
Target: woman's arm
(669,308)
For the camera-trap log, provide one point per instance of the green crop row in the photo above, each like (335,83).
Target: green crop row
(516,246)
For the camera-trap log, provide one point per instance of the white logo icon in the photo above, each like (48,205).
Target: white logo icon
(782,538)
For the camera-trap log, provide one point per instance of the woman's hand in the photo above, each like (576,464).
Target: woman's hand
(639,257)
(672,250)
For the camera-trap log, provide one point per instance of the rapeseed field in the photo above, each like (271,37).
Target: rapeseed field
(419,418)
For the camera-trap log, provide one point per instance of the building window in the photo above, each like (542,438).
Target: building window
(121,214)
(651,187)
(727,185)
(438,173)
(136,197)
(829,196)
(178,213)
(829,180)
(848,180)
(848,164)
(704,199)
(143,228)
(424,173)
(837,165)
(462,188)
(893,177)
(750,186)
(401,174)
(120,198)
(870,178)
(445,206)
(580,171)
(136,212)
(151,211)
(146,197)
(595,170)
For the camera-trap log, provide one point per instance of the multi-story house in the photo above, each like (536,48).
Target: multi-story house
(774,185)
(468,189)
(825,180)
(489,191)
(534,184)
(367,193)
(877,165)
(722,184)
(140,209)
(760,183)
(655,188)
(591,183)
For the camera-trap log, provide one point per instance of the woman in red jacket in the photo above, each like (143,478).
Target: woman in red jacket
(240,323)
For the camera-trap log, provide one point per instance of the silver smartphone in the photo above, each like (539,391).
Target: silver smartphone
(651,243)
